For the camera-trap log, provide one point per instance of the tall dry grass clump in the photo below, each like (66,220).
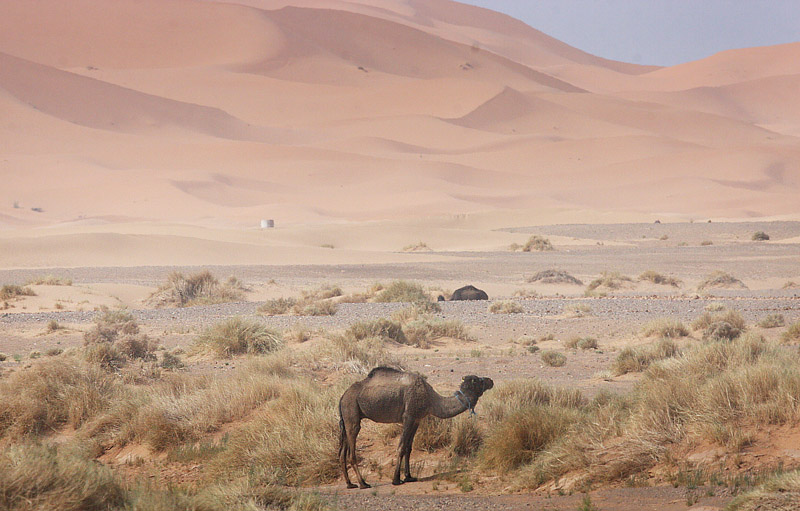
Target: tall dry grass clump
(237,336)
(423,330)
(42,477)
(305,420)
(666,328)
(525,418)
(772,321)
(635,360)
(201,288)
(52,393)
(792,334)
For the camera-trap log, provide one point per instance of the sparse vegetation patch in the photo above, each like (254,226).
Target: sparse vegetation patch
(722,280)
(537,243)
(237,336)
(11,291)
(658,278)
(200,288)
(506,307)
(553,358)
(554,277)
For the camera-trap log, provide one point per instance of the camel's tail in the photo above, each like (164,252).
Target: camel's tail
(342,434)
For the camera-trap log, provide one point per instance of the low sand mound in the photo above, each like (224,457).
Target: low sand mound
(721,280)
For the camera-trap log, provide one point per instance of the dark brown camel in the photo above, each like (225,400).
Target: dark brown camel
(390,396)
(469,292)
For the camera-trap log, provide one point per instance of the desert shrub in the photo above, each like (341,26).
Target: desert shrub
(298,333)
(323,292)
(553,358)
(415,311)
(772,321)
(53,352)
(359,355)
(3,357)
(53,326)
(506,307)
(402,291)
(720,279)
(277,306)
(422,331)
(715,307)
(537,243)
(554,277)
(792,334)
(634,360)
(237,335)
(760,236)
(200,288)
(668,328)
(706,243)
(115,338)
(790,285)
(10,291)
(49,280)
(170,361)
(583,343)
(657,278)
(726,324)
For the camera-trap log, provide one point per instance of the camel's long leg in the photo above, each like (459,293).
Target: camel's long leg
(409,478)
(409,429)
(344,451)
(352,435)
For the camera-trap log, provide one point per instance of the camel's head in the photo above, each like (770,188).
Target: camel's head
(475,385)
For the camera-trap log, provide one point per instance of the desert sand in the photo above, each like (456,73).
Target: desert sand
(386,139)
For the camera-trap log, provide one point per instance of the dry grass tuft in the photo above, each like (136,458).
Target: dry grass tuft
(277,306)
(506,307)
(667,328)
(553,358)
(538,243)
(778,493)
(417,247)
(53,392)
(658,278)
(237,336)
(422,331)
(11,291)
(721,280)
(576,310)
(635,360)
(792,334)
(402,291)
(554,277)
(583,343)
(772,321)
(200,288)
(608,281)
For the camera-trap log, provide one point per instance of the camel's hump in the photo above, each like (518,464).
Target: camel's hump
(384,370)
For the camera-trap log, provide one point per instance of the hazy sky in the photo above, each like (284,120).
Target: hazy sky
(661,32)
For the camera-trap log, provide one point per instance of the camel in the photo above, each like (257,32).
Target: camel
(387,395)
(469,292)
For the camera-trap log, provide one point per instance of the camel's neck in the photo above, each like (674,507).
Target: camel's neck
(446,407)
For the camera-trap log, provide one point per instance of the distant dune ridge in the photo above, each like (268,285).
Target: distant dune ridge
(219,114)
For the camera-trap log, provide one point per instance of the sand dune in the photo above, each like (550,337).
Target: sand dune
(331,113)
